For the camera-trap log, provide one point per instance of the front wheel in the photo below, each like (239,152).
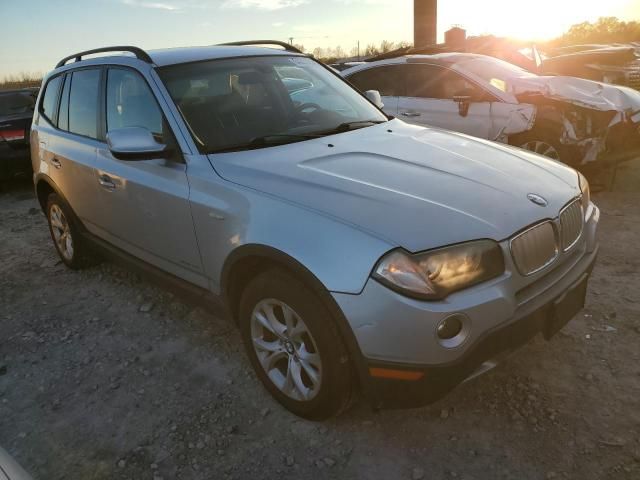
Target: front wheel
(294,346)
(542,148)
(546,143)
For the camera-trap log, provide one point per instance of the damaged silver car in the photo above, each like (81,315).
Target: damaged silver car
(582,123)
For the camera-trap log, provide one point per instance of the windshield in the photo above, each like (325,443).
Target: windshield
(255,102)
(495,72)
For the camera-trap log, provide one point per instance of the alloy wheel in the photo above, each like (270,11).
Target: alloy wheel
(286,349)
(61,232)
(542,148)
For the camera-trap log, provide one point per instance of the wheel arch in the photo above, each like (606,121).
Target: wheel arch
(44,187)
(247,261)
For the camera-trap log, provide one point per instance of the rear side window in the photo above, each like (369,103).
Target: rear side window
(63,113)
(83,102)
(130,103)
(387,80)
(50,98)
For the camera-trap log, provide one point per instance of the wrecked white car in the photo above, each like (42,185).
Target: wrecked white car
(580,122)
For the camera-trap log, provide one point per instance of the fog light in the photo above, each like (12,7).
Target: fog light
(450,327)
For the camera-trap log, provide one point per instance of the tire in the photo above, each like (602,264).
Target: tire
(72,248)
(296,359)
(544,142)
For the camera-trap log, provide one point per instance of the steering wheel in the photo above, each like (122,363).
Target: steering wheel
(307,106)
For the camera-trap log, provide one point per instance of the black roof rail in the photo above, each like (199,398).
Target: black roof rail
(425,50)
(288,47)
(138,52)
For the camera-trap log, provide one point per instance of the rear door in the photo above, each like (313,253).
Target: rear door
(429,100)
(73,142)
(45,123)
(145,203)
(386,79)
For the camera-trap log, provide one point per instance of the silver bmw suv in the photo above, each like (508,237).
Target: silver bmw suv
(355,252)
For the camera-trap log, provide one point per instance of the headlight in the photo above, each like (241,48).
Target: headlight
(586,192)
(435,274)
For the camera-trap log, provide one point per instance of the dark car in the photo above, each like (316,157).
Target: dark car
(618,64)
(16,112)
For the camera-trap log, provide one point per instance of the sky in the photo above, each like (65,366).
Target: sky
(34,39)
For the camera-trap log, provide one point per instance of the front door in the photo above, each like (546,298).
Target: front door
(430,100)
(146,209)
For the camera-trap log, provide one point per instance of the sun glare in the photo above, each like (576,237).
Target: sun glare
(531,20)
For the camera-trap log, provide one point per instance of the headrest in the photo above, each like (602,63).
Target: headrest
(251,78)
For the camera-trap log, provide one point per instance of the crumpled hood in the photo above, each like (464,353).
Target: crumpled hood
(414,187)
(581,92)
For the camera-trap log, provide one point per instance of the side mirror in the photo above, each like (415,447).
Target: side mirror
(135,143)
(463,99)
(374,97)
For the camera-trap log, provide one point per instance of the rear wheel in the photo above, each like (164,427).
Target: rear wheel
(294,346)
(71,247)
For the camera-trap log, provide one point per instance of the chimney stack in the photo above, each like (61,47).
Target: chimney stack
(425,19)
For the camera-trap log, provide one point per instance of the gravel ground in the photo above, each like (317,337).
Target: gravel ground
(105,376)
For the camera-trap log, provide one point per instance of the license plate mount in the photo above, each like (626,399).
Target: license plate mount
(566,307)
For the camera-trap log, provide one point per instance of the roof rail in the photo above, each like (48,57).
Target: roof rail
(138,52)
(288,47)
(426,50)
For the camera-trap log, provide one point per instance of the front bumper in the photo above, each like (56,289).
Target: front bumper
(395,333)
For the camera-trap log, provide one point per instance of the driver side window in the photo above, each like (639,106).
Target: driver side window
(130,103)
(432,81)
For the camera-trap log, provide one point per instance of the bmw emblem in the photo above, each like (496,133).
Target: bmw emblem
(537,199)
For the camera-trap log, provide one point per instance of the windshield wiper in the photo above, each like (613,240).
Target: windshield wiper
(346,126)
(285,138)
(266,141)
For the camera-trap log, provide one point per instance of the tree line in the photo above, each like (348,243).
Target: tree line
(604,30)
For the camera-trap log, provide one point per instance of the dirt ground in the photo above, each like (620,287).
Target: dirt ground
(105,376)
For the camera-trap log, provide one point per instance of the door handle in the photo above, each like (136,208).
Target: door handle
(105,181)
(410,114)
(56,163)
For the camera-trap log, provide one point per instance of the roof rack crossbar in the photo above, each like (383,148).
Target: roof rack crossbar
(138,52)
(288,47)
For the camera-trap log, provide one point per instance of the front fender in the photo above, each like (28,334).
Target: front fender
(228,216)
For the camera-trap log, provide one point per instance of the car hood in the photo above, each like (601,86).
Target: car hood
(414,187)
(581,92)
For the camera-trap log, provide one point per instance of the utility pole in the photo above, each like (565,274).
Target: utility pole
(290,40)
(358,50)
